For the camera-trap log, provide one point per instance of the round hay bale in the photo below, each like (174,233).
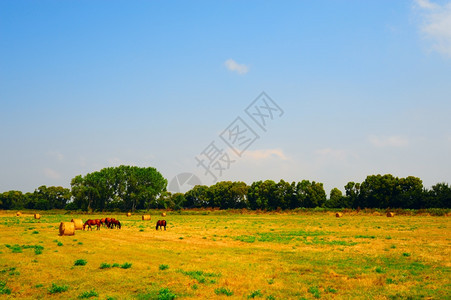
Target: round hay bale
(390,214)
(67,228)
(339,214)
(163,214)
(37,216)
(18,213)
(129,214)
(376,213)
(78,223)
(146,217)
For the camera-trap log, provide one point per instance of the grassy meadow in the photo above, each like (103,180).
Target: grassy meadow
(228,255)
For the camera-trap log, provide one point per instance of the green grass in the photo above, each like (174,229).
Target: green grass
(166,294)
(314,291)
(55,289)
(163,267)
(254,294)
(88,294)
(4,290)
(126,265)
(201,276)
(223,291)
(365,237)
(80,262)
(105,266)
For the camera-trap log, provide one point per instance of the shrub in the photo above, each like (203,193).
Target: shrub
(57,288)
(223,291)
(166,294)
(314,291)
(105,266)
(80,262)
(254,294)
(38,250)
(88,294)
(4,289)
(126,265)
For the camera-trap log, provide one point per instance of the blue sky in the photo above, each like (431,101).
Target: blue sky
(364,87)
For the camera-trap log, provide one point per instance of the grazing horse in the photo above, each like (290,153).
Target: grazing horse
(161,223)
(90,222)
(107,222)
(115,223)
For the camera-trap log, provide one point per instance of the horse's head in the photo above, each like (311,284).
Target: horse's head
(119,224)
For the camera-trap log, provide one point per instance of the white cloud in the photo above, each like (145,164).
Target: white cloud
(436,25)
(233,66)
(265,154)
(426,4)
(388,141)
(52,174)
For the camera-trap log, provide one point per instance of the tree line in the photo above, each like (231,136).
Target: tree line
(127,188)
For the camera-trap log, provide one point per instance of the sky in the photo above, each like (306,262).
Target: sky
(351,89)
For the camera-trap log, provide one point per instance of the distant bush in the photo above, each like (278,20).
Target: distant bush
(105,266)
(88,294)
(4,289)
(80,262)
(223,291)
(58,288)
(126,265)
(166,294)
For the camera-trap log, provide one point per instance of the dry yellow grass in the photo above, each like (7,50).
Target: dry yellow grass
(285,256)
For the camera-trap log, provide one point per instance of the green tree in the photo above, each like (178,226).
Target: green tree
(125,187)
(336,199)
(439,196)
(352,191)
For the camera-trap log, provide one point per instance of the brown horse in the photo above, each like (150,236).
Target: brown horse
(90,222)
(115,224)
(107,222)
(161,223)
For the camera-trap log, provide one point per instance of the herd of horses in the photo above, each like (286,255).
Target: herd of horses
(111,223)
(108,222)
